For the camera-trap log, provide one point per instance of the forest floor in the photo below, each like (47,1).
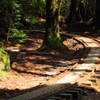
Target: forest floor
(31,68)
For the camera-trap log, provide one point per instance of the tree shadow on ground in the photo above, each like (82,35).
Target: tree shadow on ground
(44,58)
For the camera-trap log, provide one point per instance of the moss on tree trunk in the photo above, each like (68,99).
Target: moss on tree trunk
(52,37)
(4,60)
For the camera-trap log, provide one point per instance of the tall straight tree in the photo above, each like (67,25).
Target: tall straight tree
(74,11)
(52,37)
(89,8)
(77,11)
(97,15)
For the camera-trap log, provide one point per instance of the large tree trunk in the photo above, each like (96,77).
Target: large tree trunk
(97,15)
(52,37)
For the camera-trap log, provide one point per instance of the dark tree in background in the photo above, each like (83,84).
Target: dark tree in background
(89,9)
(74,14)
(81,10)
(97,16)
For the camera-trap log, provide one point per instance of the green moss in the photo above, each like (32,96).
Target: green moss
(4,60)
(3,74)
(55,41)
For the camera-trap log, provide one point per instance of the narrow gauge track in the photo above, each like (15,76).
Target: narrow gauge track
(57,88)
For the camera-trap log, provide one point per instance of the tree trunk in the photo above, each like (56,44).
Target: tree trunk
(89,9)
(74,11)
(52,38)
(77,11)
(4,60)
(97,15)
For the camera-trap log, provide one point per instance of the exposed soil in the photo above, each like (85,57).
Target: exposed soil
(31,68)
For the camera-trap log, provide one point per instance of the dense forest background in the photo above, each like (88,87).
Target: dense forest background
(18,15)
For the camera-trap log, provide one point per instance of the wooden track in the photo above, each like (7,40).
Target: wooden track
(69,78)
